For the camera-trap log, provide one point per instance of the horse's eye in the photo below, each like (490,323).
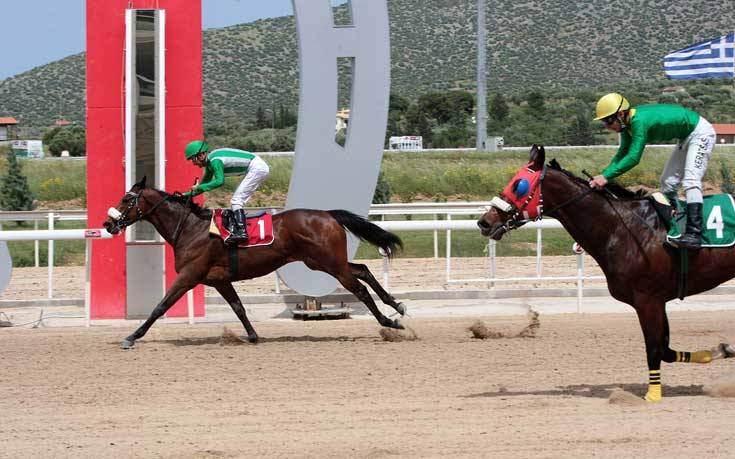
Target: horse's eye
(521,187)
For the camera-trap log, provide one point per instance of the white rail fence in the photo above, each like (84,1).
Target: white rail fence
(57,235)
(455,219)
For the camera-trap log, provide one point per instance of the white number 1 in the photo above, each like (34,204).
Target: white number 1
(714,221)
(261,225)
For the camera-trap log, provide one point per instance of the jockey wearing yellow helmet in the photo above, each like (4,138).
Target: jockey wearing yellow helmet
(644,124)
(225,162)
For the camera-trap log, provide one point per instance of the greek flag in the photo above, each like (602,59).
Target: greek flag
(713,58)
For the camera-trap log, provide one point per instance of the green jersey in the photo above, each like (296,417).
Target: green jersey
(222,163)
(649,123)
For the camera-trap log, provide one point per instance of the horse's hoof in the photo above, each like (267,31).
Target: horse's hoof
(253,339)
(401,309)
(397,325)
(127,344)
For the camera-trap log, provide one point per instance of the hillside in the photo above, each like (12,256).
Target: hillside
(547,45)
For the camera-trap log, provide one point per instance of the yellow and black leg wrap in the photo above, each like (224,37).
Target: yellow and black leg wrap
(694,357)
(654,386)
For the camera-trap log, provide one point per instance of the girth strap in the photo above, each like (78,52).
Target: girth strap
(234,262)
(682,271)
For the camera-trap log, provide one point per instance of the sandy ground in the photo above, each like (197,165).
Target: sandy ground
(405,274)
(336,389)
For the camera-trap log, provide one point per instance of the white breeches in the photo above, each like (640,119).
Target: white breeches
(257,173)
(688,162)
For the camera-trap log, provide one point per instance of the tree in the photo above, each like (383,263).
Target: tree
(499,108)
(382,191)
(435,105)
(579,132)
(536,103)
(15,194)
(398,103)
(260,121)
(72,139)
(417,124)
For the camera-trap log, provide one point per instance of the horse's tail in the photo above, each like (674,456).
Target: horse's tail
(368,231)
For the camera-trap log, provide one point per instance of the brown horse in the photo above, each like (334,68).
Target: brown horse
(314,237)
(624,234)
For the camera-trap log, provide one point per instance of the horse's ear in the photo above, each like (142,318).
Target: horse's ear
(141,184)
(538,156)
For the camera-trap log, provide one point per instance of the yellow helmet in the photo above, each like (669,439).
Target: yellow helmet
(610,104)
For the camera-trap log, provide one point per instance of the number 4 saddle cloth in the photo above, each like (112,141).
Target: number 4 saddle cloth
(718,220)
(259,224)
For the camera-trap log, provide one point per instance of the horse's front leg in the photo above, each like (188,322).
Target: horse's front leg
(652,317)
(181,285)
(233,299)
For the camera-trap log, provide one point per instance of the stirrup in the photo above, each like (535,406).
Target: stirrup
(235,238)
(688,241)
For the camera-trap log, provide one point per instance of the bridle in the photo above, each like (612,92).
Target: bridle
(517,216)
(515,221)
(121,221)
(120,218)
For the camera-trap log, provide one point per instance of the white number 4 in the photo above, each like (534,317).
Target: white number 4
(714,221)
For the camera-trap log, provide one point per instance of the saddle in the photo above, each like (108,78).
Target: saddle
(259,227)
(718,216)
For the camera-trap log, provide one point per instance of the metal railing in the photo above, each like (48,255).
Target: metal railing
(452,213)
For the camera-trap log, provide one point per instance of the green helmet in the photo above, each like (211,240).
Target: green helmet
(196,147)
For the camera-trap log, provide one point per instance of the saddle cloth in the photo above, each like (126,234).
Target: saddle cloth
(718,221)
(259,225)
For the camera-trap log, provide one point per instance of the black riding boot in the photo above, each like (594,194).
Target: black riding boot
(692,239)
(239,229)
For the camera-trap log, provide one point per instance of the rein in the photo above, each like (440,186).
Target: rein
(513,222)
(181,220)
(140,215)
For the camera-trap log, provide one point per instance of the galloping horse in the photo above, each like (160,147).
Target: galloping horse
(625,237)
(314,237)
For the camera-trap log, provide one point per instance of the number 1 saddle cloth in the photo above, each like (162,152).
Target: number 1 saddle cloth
(259,224)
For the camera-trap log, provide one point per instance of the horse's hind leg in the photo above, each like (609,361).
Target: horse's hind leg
(363,273)
(722,351)
(350,282)
(230,295)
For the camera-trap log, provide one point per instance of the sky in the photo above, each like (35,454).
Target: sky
(37,32)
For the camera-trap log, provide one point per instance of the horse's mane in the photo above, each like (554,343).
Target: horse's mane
(618,190)
(202,212)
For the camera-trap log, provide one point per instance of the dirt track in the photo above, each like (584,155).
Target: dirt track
(335,389)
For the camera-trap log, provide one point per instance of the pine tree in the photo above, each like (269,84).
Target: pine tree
(499,108)
(382,191)
(14,191)
(260,121)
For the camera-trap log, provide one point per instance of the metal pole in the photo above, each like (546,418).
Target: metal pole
(190,306)
(87,282)
(539,249)
(449,250)
(481,117)
(436,241)
(50,257)
(35,245)
(580,281)
(386,277)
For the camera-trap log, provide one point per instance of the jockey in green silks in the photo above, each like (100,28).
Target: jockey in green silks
(643,124)
(224,162)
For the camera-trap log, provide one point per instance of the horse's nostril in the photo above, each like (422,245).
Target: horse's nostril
(482,224)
